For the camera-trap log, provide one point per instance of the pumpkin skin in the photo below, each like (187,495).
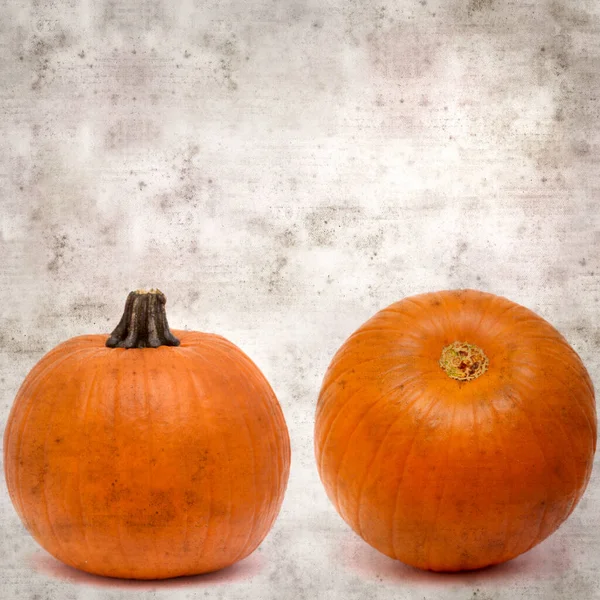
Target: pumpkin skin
(147,463)
(450,475)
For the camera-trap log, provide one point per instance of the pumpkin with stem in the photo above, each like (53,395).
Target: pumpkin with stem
(149,454)
(455,430)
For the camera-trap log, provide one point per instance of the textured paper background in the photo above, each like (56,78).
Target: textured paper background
(282,170)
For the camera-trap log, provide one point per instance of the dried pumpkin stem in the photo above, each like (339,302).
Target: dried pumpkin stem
(144,322)
(463,361)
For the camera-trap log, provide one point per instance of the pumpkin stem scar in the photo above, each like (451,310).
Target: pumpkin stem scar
(144,322)
(463,361)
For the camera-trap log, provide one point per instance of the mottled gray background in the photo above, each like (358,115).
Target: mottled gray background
(282,170)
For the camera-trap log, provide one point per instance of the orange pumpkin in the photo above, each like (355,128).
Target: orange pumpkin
(146,456)
(455,430)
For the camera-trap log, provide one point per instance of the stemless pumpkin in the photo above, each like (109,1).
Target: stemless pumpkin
(147,455)
(455,430)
